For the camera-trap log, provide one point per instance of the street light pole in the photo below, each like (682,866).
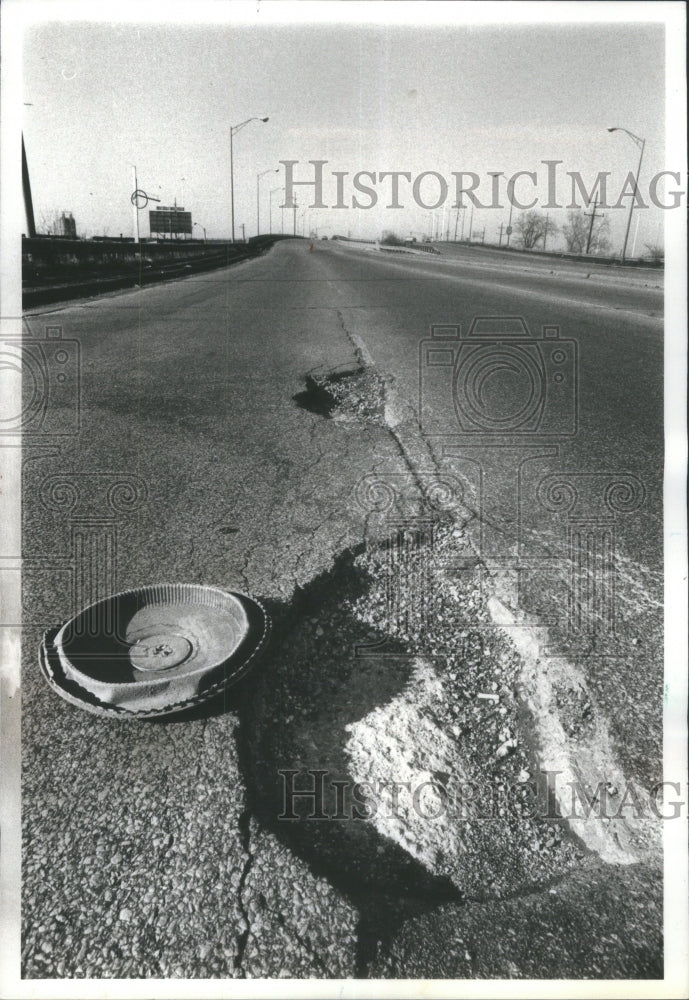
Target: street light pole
(270,210)
(270,170)
(233,131)
(136,208)
(26,187)
(641,143)
(636,233)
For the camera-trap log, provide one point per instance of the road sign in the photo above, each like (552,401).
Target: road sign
(509,230)
(170,220)
(141,199)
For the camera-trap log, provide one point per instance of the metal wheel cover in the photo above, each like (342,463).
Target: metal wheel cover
(155,650)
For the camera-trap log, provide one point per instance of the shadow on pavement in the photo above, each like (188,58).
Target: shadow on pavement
(294,709)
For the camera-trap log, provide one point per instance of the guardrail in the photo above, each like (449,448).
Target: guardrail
(349,239)
(595,260)
(423,247)
(389,247)
(54,269)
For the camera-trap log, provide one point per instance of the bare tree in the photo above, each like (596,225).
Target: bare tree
(532,228)
(600,238)
(391,239)
(54,223)
(655,252)
(49,223)
(549,229)
(576,233)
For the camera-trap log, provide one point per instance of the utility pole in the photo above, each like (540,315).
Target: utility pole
(136,210)
(636,233)
(641,145)
(243,234)
(270,224)
(471,225)
(263,173)
(233,130)
(545,231)
(502,226)
(592,216)
(509,226)
(464,215)
(456,223)
(28,200)
(294,218)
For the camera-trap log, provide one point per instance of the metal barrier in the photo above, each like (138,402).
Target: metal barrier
(54,269)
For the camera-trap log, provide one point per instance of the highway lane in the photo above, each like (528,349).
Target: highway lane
(564,266)
(391,305)
(190,387)
(612,288)
(140,854)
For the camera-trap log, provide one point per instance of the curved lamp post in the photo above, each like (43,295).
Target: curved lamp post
(641,144)
(233,131)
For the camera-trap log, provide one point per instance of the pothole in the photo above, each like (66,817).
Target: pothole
(345,394)
(459,728)
(421,693)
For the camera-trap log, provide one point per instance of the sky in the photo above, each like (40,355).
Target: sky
(99,97)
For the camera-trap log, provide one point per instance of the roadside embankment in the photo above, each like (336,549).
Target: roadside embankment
(55,269)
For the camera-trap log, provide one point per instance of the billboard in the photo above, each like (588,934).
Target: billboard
(172,221)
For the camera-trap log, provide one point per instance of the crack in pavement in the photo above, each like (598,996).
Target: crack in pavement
(244,826)
(632,839)
(305,945)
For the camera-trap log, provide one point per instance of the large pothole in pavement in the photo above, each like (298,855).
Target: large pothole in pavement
(346,394)
(402,709)
(393,736)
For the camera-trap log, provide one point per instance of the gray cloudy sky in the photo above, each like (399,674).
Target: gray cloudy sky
(455,97)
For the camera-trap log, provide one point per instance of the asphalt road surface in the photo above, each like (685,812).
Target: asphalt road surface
(155,849)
